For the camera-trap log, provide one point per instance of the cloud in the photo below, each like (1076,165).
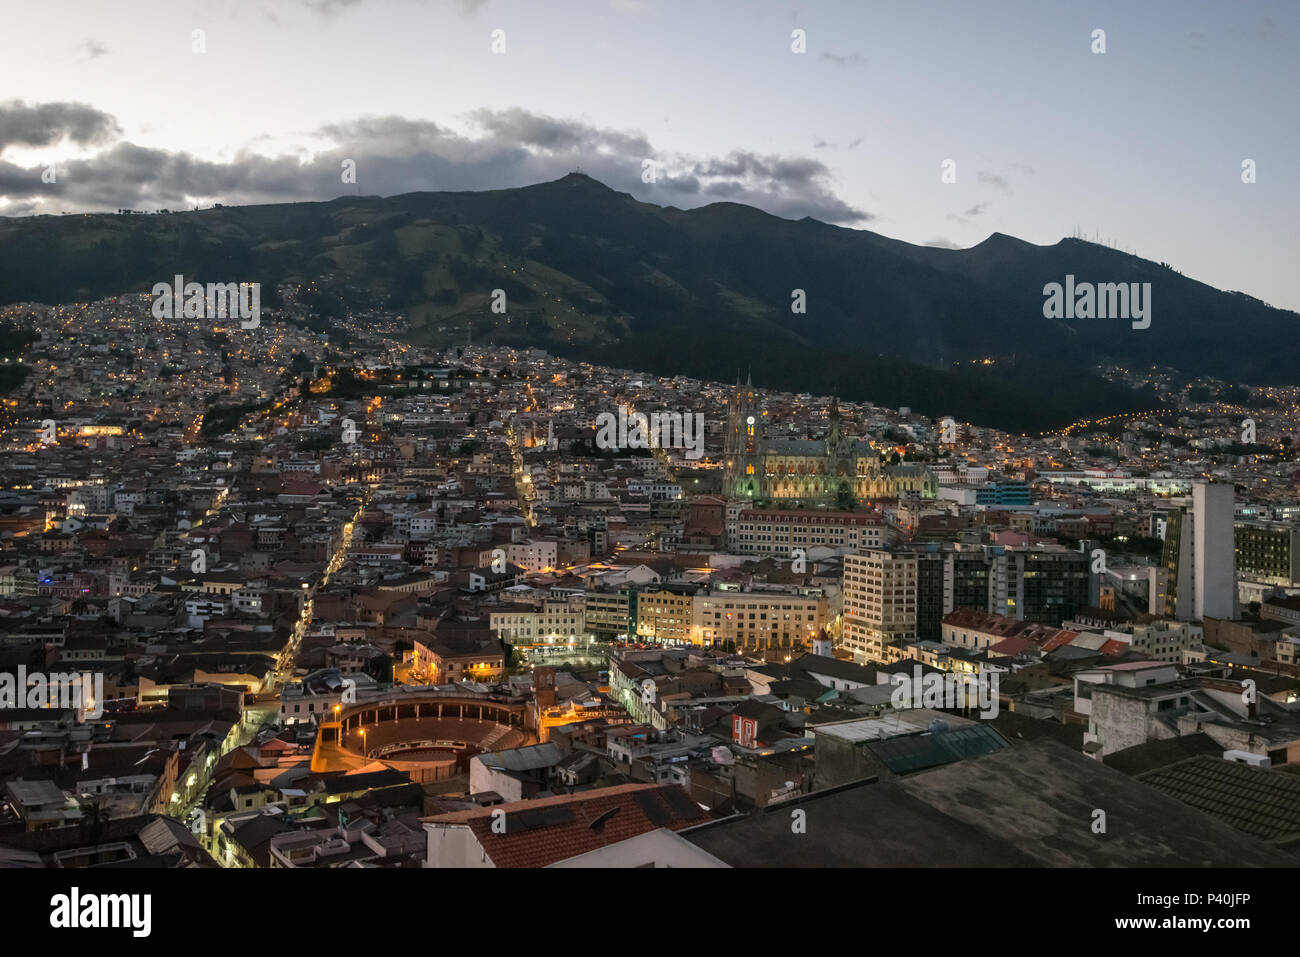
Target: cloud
(941,242)
(977,209)
(557,136)
(495,149)
(843,59)
(44,124)
(992,179)
(786,186)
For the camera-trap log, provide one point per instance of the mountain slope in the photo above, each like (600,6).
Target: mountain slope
(596,274)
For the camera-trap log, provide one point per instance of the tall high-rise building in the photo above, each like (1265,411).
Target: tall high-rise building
(1200,556)
(931,596)
(1046,585)
(902,593)
(879,601)
(1268,552)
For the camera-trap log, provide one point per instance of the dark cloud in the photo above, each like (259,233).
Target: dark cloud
(394,155)
(786,186)
(44,124)
(557,136)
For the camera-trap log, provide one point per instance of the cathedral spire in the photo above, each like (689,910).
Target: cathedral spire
(833,433)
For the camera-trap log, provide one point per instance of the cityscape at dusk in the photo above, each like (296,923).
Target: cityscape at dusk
(647,444)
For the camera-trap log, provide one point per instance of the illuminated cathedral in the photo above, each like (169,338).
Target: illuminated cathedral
(835,471)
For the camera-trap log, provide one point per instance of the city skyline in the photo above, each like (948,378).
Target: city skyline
(487,435)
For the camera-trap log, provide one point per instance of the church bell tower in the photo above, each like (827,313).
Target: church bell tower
(744,479)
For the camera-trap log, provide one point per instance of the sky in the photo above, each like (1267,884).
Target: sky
(1141,146)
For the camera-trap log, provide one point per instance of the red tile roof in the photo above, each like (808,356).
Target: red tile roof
(1059,639)
(1012,646)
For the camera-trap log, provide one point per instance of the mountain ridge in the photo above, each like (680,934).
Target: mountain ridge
(600,275)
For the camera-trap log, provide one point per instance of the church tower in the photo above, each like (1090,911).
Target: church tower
(744,476)
(833,435)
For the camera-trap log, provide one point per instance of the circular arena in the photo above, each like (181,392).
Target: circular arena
(429,738)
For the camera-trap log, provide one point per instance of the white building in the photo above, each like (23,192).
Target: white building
(533,555)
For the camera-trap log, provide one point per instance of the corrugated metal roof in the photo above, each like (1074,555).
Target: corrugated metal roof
(523,759)
(916,752)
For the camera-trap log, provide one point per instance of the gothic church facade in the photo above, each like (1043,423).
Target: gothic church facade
(834,471)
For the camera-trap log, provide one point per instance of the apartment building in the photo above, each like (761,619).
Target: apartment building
(777,532)
(759,619)
(527,623)
(663,615)
(880,601)
(1268,552)
(606,612)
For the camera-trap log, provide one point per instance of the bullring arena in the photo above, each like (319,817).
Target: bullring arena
(430,737)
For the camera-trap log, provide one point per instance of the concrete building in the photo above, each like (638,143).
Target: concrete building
(758,619)
(1165,640)
(533,555)
(1268,553)
(879,601)
(1200,556)
(778,532)
(551,619)
(605,612)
